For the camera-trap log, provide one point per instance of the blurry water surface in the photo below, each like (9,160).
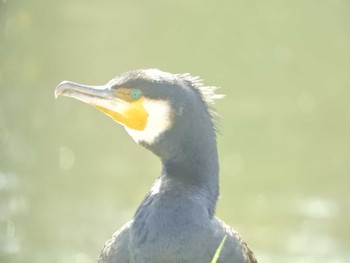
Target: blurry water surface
(70,177)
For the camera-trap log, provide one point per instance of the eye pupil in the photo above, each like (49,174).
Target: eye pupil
(135,94)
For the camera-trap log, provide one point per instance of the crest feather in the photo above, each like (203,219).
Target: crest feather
(207,93)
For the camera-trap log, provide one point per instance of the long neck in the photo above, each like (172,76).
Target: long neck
(185,194)
(189,158)
(192,167)
(195,172)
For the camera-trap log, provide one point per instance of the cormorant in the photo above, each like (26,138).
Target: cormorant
(172,116)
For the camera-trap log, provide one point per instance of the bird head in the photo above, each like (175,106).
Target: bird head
(160,110)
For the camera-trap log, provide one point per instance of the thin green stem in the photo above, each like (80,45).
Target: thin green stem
(218,251)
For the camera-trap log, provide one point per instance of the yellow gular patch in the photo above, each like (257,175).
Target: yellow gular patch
(134,117)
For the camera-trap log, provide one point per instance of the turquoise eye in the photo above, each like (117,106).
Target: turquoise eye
(135,94)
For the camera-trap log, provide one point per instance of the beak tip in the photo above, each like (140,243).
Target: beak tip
(60,88)
(56,93)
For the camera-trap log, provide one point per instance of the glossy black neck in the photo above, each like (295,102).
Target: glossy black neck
(192,166)
(188,152)
(196,176)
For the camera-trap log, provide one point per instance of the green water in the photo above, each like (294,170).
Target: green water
(70,177)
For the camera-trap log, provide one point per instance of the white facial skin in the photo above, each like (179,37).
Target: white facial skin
(159,120)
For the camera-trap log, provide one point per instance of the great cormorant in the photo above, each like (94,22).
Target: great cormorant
(172,116)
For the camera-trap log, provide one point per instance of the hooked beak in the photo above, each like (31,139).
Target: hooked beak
(128,113)
(93,95)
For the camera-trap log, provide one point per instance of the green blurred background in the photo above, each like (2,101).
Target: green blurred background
(68,177)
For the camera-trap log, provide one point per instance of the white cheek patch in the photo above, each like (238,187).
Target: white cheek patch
(159,120)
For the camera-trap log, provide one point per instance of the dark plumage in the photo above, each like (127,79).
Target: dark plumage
(175,222)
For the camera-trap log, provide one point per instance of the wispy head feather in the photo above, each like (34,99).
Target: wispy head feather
(207,93)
